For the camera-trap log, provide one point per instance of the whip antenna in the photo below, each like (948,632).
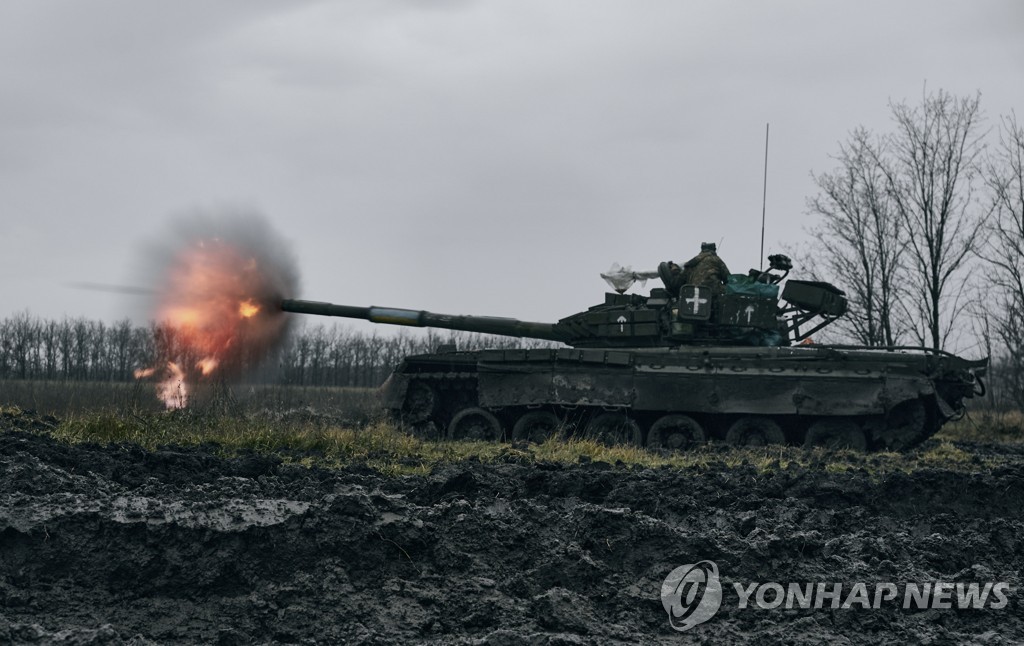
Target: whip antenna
(764,195)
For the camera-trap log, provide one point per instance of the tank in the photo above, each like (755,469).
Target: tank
(727,359)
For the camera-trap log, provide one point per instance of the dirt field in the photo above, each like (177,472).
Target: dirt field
(109,545)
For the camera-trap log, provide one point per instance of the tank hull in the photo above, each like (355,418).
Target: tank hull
(854,397)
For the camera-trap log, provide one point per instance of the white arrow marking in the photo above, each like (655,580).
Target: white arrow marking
(750,312)
(621,320)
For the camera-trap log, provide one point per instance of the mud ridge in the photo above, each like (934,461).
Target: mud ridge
(114,544)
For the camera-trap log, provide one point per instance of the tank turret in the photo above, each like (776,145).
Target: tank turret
(745,310)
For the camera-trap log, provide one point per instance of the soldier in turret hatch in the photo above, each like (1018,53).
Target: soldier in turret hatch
(705,269)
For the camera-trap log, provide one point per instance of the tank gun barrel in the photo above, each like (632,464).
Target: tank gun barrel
(421,318)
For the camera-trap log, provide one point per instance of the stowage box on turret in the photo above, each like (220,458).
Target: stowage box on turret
(726,358)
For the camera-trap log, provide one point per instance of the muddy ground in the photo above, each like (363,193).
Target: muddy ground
(109,545)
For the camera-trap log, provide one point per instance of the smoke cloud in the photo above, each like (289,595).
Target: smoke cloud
(218,280)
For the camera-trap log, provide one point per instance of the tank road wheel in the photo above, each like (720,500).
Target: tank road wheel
(755,431)
(536,426)
(417,409)
(836,433)
(474,424)
(675,432)
(905,426)
(612,429)
(420,401)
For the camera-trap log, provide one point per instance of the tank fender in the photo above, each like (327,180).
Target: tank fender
(901,387)
(945,410)
(391,393)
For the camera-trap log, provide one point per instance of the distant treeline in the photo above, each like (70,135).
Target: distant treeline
(82,350)
(79,349)
(339,356)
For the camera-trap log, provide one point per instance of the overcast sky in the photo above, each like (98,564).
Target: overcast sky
(458,156)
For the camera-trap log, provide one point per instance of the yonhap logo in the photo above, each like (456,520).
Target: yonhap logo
(691,594)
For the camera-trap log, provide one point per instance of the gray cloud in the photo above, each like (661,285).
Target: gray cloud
(458,156)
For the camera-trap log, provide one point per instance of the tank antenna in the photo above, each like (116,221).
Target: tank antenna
(764,195)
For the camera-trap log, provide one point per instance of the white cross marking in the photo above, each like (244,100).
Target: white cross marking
(697,301)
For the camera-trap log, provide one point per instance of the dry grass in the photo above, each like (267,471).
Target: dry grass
(345,429)
(986,426)
(381,446)
(68,398)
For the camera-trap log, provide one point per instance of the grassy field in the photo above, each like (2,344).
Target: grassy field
(986,426)
(321,441)
(341,426)
(64,398)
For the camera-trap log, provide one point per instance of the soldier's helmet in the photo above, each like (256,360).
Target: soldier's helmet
(708,246)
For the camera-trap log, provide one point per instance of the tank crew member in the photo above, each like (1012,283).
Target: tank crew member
(705,269)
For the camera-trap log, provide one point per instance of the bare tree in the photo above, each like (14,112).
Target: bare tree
(120,350)
(931,165)
(24,344)
(860,241)
(1004,250)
